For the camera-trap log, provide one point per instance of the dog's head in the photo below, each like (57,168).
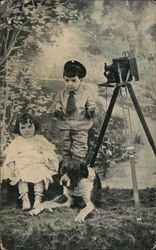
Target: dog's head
(72,171)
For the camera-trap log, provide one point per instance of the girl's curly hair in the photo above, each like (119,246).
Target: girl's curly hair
(24,118)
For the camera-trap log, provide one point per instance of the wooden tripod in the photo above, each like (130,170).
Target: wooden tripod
(145,127)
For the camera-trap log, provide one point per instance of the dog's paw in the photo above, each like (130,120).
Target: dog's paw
(34,212)
(80,218)
(50,210)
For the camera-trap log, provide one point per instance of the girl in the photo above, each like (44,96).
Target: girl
(30,158)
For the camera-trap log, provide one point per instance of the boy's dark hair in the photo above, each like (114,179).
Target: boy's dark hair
(24,119)
(74,68)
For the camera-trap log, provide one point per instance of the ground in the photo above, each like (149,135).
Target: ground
(111,226)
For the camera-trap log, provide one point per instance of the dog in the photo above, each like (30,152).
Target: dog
(78,180)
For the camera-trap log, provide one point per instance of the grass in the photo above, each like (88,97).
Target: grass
(111,226)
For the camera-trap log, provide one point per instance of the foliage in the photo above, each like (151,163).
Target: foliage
(138,139)
(23,95)
(36,19)
(113,145)
(111,31)
(152,30)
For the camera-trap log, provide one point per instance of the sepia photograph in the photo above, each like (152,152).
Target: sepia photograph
(77,124)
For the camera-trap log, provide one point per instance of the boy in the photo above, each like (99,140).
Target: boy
(74,109)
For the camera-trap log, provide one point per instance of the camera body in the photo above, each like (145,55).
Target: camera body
(122,69)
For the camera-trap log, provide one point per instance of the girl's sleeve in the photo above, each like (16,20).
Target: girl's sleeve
(48,151)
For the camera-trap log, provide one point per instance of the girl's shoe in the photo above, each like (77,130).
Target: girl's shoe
(26,205)
(25,201)
(38,200)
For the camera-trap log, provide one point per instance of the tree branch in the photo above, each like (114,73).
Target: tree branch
(6,41)
(12,117)
(2,70)
(9,48)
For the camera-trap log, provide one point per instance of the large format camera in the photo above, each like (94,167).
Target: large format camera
(122,69)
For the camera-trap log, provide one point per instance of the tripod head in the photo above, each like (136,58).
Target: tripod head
(123,69)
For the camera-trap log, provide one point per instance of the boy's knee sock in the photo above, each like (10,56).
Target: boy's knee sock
(80,159)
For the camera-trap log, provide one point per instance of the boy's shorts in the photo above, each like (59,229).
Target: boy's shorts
(74,141)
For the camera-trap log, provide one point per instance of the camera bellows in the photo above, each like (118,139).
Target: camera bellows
(71,106)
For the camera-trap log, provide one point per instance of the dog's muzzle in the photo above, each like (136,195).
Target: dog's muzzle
(65,181)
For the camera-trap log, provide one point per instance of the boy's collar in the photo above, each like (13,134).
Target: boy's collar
(79,89)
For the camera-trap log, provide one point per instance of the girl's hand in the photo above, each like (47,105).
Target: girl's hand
(14,179)
(13,182)
(51,180)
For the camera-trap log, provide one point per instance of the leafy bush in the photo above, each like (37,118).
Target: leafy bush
(138,139)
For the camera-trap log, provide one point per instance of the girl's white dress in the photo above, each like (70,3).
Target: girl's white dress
(31,160)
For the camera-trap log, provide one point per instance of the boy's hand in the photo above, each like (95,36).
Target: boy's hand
(58,113)
(90,112)
(11,165)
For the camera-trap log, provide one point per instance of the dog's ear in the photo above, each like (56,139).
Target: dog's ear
(60,167)
(63,166)
(84,170)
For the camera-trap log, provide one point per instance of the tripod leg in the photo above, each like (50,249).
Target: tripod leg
(141,117)
(105,124)
(135,189)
